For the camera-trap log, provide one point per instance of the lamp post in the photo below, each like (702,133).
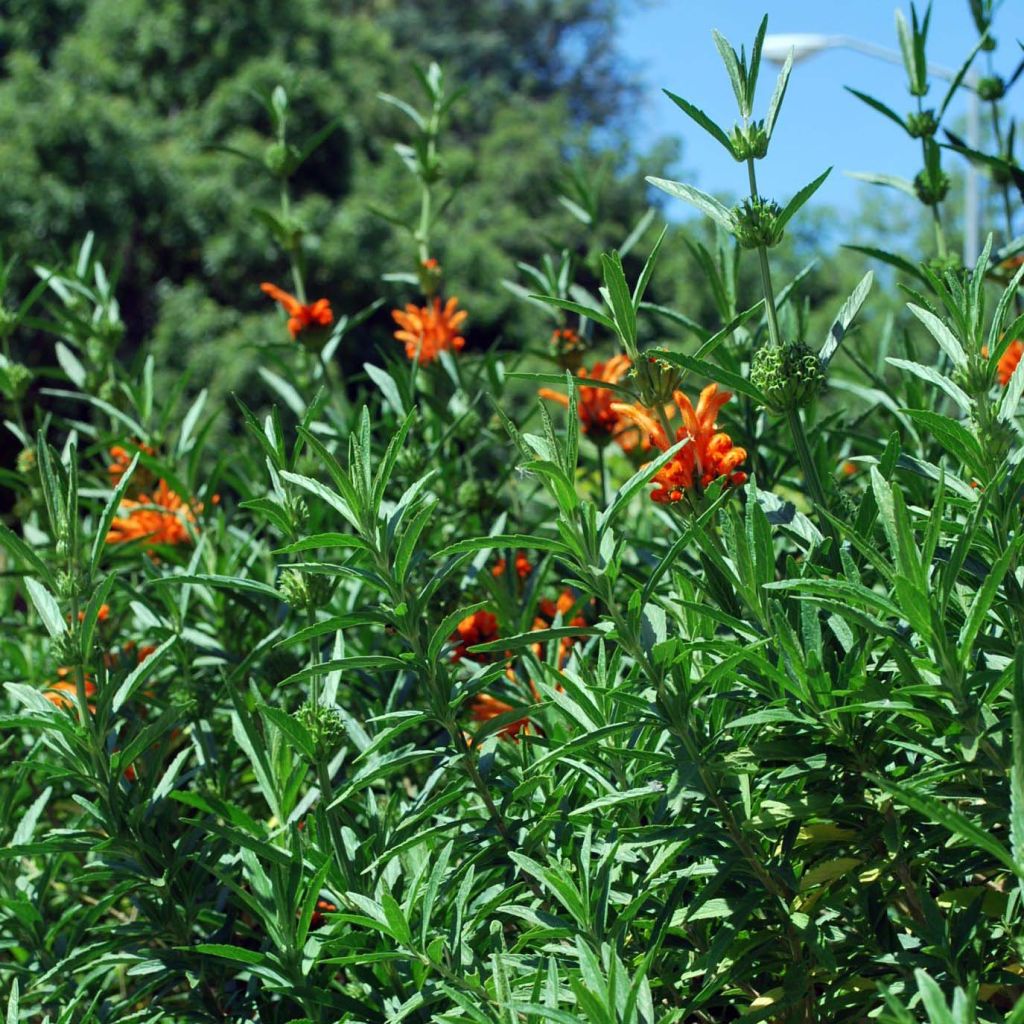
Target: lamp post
(806,44)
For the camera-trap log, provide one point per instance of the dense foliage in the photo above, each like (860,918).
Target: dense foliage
(669,668)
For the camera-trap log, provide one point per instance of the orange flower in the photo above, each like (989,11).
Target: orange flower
(427,331)
(158,519)
(849,468)
(300,316)
(122,458)
(479,628)
(318,919)
(598,419)
(523,566)
(485,708)
(709,454)
(63,693)
(101,616)
(1008,361)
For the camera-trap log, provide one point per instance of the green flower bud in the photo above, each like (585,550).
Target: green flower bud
(471,494)
(27,462)
(757,223)
(14,380)
(280,159)
(991,88)
(8,321)
(749,142)
(944,264)
(305,590)
(66,649)
(922,124)
(788,375)
(324,724)
(931,188)
(657,380)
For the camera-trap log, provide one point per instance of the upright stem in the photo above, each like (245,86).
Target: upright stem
(601,476)
(766,273)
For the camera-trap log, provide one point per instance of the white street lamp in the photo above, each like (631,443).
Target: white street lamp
(806,44)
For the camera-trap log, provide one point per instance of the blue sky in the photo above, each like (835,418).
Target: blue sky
(670,44)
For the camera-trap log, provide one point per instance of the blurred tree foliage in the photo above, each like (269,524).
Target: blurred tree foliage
(112,112)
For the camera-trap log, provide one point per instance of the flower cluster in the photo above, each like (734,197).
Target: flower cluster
(301,316)
(429,330)
(708,455)
(163,517)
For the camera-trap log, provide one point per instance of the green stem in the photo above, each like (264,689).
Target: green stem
(602,477)
(766,274)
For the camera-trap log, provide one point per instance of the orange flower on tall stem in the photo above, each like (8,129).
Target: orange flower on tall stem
(160,518)
(301,316)
(1008,361)
(598,420)
(709,455)
(427,331)
(479,628)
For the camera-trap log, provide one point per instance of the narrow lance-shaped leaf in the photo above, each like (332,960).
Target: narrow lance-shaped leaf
(698,115)
(708,205)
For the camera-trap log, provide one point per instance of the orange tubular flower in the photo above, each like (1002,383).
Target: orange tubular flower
(1008,361)
(63,693)
(122,458)
(160,518)
(709,454)
(523,566)
(479,628)
(598,419)
(427,331)
(300,315)
(485,708)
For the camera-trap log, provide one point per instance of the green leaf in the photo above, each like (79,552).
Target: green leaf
(226,952)
(801,197)
(707,204)
(880,107)
(948,341)
(47,607)
(703,120)
(778,95)
(846,315)
(942,814)
(930,374)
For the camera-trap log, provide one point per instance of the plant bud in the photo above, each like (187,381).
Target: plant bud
(657,380)
(324,724)
(470,494)
(27,462)
(991,88)
(65,648)
(922,124)
(931,187)
(304,590)
(280,159)
(429,272)
(750,142)
(8,321)
(567,347)
(788,375)
(14,380)
(757,223)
